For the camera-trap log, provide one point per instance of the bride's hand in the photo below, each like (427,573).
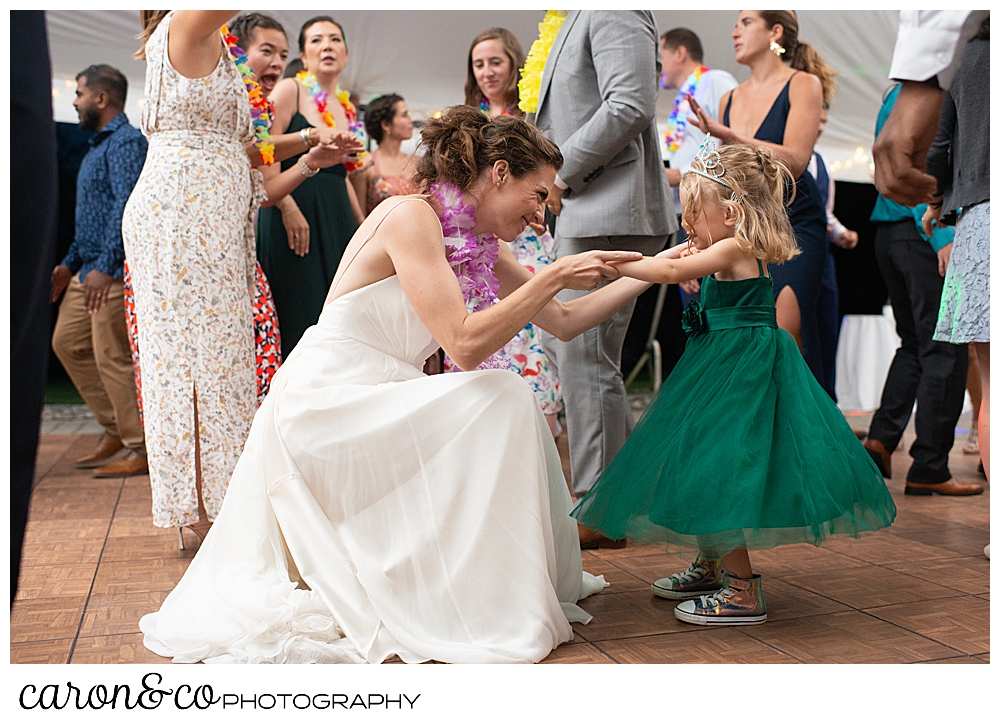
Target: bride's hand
(585,271)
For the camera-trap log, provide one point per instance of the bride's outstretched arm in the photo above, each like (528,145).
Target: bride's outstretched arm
(566,320)
(413,243)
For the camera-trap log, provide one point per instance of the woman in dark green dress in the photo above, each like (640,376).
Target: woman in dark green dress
(741,448)
(301,240)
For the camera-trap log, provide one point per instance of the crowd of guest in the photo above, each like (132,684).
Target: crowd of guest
(206,244)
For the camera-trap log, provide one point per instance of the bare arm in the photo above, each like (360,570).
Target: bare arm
(721,256)
(361,181)
(566,320)
(413,243)
(359,214)
(801,127)
(195,45)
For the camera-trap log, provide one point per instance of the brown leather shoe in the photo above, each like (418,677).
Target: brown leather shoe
(948,487)
(131,464)
(591,540)
(881,456)
(108,446)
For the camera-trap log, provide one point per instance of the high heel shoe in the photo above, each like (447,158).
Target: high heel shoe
(199,529)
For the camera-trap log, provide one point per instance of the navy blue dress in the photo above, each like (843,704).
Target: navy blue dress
(804,273)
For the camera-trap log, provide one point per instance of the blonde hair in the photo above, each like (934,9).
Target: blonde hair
(150,20)
(758,180)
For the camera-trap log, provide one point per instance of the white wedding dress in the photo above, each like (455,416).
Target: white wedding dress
(378,511)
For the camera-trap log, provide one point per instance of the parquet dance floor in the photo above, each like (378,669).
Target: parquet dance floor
(917,592)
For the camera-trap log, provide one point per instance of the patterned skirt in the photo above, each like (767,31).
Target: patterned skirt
(964,315)
(267,337)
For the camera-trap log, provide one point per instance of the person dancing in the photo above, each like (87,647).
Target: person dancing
(780,105)
(188,236)
(377,511)
(723,459)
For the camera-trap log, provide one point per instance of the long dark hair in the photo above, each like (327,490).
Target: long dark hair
(513,50)
(802,55)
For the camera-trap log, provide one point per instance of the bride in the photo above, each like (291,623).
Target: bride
(376,511)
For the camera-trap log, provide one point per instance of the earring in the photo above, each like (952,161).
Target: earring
(777,49)
(498,184)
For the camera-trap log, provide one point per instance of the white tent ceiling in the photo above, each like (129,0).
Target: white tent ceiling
(421,55)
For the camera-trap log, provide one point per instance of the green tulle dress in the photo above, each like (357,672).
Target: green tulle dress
(741,446)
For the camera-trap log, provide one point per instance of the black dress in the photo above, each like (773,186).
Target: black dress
(804,273)
(300,283)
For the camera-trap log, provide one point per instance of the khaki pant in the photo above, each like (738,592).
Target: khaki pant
(94,349)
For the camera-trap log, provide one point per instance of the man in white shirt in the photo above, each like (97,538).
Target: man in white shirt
(683,72)
(928,51)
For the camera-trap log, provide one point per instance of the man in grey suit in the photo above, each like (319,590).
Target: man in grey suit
(597,101)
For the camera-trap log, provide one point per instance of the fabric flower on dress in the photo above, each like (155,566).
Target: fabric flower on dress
(693,319)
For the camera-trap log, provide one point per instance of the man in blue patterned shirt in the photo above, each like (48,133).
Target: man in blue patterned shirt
(91,338)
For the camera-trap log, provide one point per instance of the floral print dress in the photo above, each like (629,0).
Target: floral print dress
(188,233)
(527,358)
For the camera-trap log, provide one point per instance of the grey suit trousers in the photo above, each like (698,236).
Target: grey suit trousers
(598,414)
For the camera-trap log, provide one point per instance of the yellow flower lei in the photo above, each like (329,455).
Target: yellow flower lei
(534,65)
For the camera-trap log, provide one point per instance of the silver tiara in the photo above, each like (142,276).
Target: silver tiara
(708,156)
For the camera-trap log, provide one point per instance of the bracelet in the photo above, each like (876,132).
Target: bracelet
(304,135)
(306,169)
(292,211)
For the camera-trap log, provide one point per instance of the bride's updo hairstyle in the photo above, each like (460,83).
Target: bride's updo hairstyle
(463,143)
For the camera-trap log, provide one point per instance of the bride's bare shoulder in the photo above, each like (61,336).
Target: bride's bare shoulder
(412,215)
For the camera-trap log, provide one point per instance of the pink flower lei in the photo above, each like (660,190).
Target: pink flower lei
(472,259)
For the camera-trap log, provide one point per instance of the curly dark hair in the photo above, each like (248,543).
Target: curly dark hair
(245,25)
(380,110)
(463,143)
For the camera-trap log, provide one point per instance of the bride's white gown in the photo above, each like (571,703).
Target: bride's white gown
(426,516)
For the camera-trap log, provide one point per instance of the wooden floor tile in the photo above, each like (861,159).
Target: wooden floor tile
(119,649)
(984,658)
(577,653)
(46,530)
(962,539)
(620,580)
(622,615)
(965,575)
(42,619)
(962,623)
(144,547)
(138,526)
(41,652)
(869,587)
(651,567)
(801,558)
(119,613)
(956,660)
(69,507)
(139,576)
(974,510)
(712,645)
(55,581)
(39,552)
(784,600)
(847,638)
(883,547)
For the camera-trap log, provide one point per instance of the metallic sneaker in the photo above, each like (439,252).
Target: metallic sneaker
(739,603)
(702,576)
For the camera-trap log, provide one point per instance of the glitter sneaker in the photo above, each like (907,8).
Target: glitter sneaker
(739,603)
(703,576)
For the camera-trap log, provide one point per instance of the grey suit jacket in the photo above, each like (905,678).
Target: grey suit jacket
(597,101)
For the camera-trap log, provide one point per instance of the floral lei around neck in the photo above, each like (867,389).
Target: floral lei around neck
(534,65)
(261,110)
(677,122)
(472,259)
(320,98)
(484,106)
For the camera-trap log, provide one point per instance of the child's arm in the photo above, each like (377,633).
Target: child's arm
(718,257)
(566,320)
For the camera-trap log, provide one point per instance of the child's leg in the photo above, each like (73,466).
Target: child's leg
(737,562)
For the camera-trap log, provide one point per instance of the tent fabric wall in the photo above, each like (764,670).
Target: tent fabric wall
(421,55)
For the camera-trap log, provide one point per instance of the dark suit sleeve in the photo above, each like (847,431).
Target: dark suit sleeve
(939,155)
(624,51)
